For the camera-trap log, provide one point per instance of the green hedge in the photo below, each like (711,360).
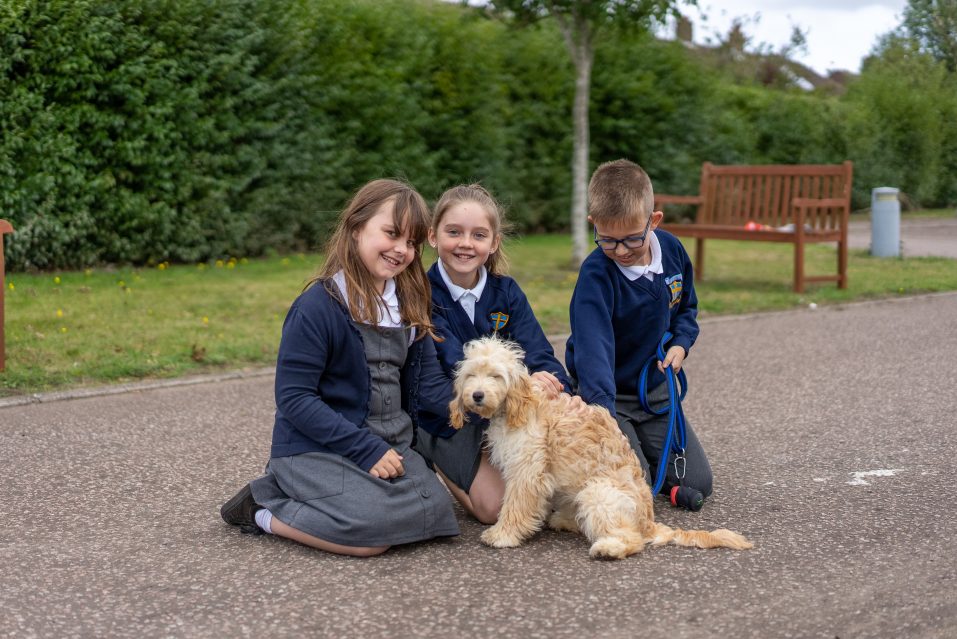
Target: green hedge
(140,131)
(134,132)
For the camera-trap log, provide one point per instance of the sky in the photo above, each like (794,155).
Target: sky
(840,33)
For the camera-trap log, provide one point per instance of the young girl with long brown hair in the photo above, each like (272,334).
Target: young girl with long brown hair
(356,365)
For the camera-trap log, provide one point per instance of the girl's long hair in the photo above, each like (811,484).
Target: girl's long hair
(412,286)
(497,263)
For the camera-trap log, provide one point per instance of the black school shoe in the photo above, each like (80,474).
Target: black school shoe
(241,511)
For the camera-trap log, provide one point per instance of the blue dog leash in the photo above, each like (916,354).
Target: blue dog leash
(676,439)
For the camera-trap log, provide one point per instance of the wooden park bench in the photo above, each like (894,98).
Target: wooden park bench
(5,227)
(797,203)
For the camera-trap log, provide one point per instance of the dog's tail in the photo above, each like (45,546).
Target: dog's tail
(720,538)
(618,544)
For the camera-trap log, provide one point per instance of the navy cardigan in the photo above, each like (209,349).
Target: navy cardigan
(502,298)
(323,383)
(617,323)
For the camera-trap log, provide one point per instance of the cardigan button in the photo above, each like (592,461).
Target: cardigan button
(382,365)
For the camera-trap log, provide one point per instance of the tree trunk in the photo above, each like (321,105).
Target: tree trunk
(578,34)
(579,211)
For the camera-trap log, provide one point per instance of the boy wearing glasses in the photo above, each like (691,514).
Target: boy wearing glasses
(637,284)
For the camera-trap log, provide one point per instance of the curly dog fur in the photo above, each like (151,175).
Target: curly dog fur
(567,463)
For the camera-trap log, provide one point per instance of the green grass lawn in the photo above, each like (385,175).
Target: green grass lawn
(100,326)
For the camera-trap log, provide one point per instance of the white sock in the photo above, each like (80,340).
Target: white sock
(264,520)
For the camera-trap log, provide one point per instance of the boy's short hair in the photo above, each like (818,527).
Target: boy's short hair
(620,192)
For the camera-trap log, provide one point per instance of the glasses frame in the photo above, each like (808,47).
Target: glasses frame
(629,241)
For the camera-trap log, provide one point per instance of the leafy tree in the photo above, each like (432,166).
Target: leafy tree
(582,23)
(933,25)
(903,129)
(898,132)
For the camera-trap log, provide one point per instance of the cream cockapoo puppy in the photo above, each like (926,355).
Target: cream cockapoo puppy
(562,461)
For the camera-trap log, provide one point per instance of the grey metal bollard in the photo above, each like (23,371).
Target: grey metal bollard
(885,222)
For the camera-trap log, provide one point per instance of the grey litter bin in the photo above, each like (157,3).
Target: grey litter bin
(885,222)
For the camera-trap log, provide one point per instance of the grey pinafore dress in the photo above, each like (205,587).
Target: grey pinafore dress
(329,497)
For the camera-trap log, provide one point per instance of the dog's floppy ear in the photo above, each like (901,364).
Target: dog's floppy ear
(518,402)
(456,416)
(456,408)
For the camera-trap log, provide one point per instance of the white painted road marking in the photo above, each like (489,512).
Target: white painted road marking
(860,475)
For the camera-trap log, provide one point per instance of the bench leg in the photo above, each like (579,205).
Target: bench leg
(842,264)
(699,259)
(2,289)
(799,267)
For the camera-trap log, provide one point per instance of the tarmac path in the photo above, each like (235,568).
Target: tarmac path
(831,433)
(920,237)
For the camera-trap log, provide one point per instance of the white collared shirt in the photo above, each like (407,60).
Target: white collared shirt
(467,297)
(651,269)
(389,316)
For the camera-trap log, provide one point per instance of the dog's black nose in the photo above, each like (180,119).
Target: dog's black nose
(478,396)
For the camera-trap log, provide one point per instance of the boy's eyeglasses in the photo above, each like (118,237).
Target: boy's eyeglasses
(630,242)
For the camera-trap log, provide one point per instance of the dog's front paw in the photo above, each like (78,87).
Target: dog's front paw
(498,537)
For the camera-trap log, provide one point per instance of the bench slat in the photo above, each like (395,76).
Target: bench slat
(777,169)
(676,199)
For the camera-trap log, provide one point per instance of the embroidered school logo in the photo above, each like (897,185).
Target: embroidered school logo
(674,285)
(499,320)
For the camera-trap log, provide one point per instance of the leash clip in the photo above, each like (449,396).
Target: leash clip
(680,474)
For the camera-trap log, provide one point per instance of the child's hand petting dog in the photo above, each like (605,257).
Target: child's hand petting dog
(548,383)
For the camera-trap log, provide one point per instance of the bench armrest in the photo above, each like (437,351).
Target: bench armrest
(661,198)
(5,227)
